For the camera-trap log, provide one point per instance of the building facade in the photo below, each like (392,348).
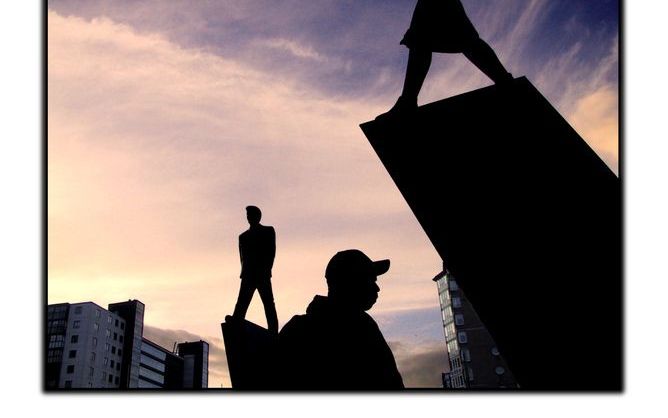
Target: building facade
(88,346)
(133,313)
(159,368)
(85,346)
(195,364)
(475,361)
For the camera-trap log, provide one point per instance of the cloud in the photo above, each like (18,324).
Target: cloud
(595,117)
(154,150)
(218,371)
(293,48)
(421,366)
(350,49)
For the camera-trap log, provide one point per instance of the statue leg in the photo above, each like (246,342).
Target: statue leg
(244,299)
(267,296)
(482,56)
(419,61)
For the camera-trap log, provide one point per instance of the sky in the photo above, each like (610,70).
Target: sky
(166,119)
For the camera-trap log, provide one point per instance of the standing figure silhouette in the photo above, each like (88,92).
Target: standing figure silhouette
(257,249)
(442,26)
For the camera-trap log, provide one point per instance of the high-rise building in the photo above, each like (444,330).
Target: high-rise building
(88,346)
(475,361)
(85,346)
(133,313)
(195,364)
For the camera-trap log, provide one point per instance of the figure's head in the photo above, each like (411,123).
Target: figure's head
(351,279)
(253,214)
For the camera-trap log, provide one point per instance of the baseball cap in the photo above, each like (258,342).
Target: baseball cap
(351,263)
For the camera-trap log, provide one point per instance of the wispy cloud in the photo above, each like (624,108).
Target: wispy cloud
(293,47)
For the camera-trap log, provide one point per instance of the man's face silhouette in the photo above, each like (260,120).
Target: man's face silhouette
(368,292)
(253,217)
(359,292)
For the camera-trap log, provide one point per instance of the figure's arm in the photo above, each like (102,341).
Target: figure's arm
(241,255)
(272,247)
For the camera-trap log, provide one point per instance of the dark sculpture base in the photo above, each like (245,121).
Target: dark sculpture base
(251,354)
(527,218)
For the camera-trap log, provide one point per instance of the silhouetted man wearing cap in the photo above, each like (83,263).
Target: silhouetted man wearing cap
(257,249)
(337,345)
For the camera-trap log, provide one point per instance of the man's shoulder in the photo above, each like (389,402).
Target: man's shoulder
(296,324)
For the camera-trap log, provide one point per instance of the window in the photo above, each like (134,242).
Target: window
(56,326)
(459,319)
(152,363)
(74,339)
(106,361)
(116,323)
(106,346)
(456,302)
(120,352)
(92,356)
(77,310)
(104,376)
(73,354)
(461,337)
(56,341)
(115,336)
(116,380)
(122,325)
(118,366)
(108,333)
(499,370)
(112,364)
(453,285)
(109,319)
(466,354)
(68,383)
(91,372)
(70,369)
(450,331)
(95,326)
(94,341)
(471,374)
(120,338)
(113,349)
(54,356)
(111,378)
(76,324)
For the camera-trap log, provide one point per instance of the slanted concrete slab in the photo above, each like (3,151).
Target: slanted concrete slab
(527,218)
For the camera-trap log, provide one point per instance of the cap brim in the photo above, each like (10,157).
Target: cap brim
(381,266)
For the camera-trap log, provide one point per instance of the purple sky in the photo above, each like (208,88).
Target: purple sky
(167,118)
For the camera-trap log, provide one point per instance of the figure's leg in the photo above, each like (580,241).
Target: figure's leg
(243,301)
(419,61)
(267,296)
(482,56)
